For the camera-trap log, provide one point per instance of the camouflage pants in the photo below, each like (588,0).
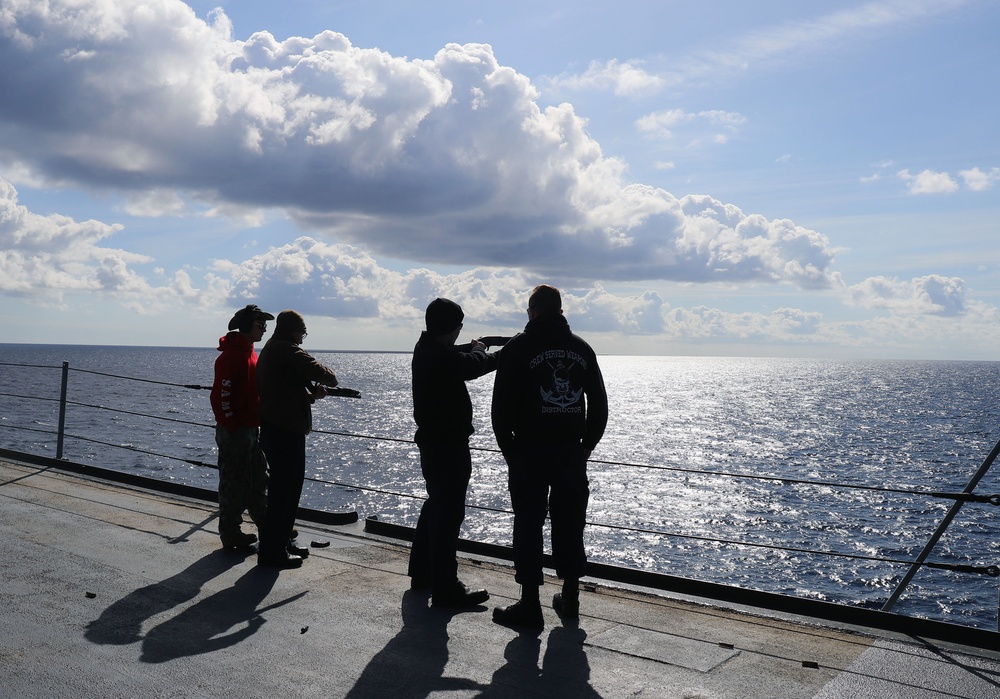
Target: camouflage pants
(242,479)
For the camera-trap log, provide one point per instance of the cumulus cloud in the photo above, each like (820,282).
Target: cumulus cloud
(449,160)
(45,258)
(930,295)
(979,181)
(600,311)
(342,281)
(928,182)
(704,323)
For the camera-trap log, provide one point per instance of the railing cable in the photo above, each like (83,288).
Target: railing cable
(32,366)
(992,499)
(966,496)
(992,570)
(135,378)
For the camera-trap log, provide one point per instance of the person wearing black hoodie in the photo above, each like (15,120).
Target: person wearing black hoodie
(442,410)
(549,412)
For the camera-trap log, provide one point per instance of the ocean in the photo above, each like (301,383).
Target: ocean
(805,477)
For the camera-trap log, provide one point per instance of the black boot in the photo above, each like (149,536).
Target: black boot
(525,613)
(567,602)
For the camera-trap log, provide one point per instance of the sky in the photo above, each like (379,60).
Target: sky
(774,178)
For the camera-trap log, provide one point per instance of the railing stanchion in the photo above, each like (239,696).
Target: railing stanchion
(62,410)
(932,542)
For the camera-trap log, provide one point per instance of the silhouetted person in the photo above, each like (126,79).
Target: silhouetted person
(235,403)
(289,381)
(442,410)
(549,411)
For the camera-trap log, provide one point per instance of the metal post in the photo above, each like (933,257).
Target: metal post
(932,542)
(62,410)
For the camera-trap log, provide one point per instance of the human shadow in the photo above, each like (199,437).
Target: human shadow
(219,621)
(411,665)
(121,623)
(565,670)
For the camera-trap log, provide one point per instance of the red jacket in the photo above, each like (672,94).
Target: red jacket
(234,394)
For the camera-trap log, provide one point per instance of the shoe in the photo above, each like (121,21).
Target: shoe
(459,596)
(240,542)
(520,615)
(295,533)
(299,551)
(279,560)
(566,607)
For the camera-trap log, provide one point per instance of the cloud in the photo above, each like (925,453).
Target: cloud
(928,182)
(442,161)
(979,181)
(599,311)
(704,323)
(666,124)
(787,43)
(342,281)
(625,79)
(930,295)
(43,259)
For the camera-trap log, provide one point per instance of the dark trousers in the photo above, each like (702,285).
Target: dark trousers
(242,479)
(548,478)
(286,458)
(447,469)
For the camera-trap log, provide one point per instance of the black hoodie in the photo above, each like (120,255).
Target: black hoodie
(441,405)
(548,388)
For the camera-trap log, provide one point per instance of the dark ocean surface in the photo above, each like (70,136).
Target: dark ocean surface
(773,474)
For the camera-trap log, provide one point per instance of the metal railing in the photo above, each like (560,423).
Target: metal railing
(913,564)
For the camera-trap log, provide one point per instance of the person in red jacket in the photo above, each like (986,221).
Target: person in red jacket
(235,402)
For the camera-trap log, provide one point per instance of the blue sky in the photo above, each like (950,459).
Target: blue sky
(769,178)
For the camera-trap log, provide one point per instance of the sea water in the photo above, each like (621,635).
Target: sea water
(800,476)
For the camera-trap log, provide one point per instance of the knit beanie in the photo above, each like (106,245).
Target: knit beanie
(290,322)
(442,316)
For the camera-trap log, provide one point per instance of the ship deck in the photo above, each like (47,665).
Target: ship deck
(115,590)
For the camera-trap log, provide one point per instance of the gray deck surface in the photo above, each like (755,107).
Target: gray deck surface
(114,591)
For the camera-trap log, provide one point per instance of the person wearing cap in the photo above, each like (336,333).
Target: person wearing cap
(442,411)
(242,465)
(289,380)
(549,411)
